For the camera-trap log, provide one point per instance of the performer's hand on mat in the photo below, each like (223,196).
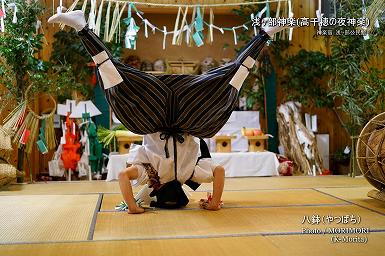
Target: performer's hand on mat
(135,210)
(209,205)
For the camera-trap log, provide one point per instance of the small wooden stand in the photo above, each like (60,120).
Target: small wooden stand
(223,143)
(257,143)
(126,140)
(379,195)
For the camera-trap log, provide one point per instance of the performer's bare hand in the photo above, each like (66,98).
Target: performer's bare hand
(211,206)
(135,210)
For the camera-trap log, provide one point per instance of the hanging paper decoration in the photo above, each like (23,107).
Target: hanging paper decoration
(15,118)
(189,34)
(107,23)
(96,153)
(99,19)
(92,16)
(41,143)
(132,30)
(291,15)
(50,135)
(198,24)
(59,9)
(318,13)
(23,123)
(183,28)
(3,11)
(115,15)
(210,34)
(193,31)
(235,36)
(2,16)
(147,23)
(364,15)
(176,26)
(84,7)
(164,37)
(115,20)
(267,9)
(252,17)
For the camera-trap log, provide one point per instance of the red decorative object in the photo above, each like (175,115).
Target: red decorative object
(93,77)
(326,172)
(70,155)
(25,136)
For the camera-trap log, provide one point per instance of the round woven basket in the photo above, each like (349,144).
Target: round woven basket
(371,151)
(7,173)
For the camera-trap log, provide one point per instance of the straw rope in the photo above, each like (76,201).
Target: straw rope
(374,11)
(40,117)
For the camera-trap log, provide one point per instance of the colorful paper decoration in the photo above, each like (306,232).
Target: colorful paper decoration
(92,16)
(92,147)
(198,24)
(193,31)
(99,19)
(85,107)
(132,30)
(70,154)
(41,143)
(23,124)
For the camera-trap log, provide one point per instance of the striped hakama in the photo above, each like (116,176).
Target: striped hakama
(199,105)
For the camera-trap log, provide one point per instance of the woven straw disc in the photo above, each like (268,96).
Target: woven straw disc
(371,151)
(7,174)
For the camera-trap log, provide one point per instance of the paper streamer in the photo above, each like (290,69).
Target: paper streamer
(176,26)
(235,36)
(366,37)
(188,34)
(2,24)
(84,7)
(262,12)
(182,27)
(147,23)
(132,30)
(220,29)
(145,28)
(164,37)
(99,19)
(254,27)
(210,37)
(291,15)
(107,22)
(115,21)
(190,41)
(318,14)
(92,16)
(59,9)
(115,15)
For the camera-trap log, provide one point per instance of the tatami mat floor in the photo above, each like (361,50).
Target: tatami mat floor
(261,216)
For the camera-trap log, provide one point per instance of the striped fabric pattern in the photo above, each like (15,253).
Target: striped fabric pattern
(199,105)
